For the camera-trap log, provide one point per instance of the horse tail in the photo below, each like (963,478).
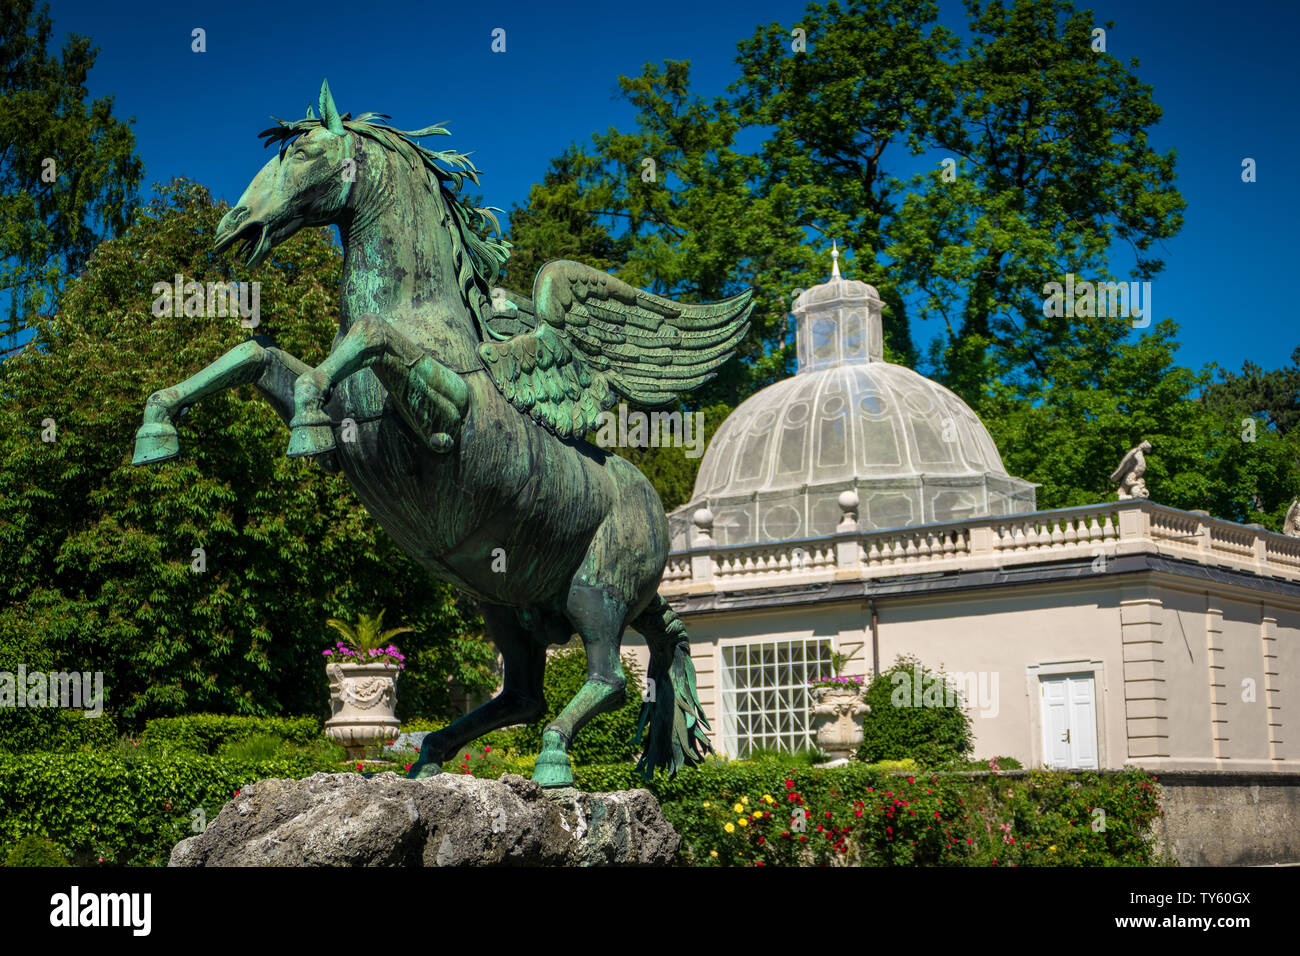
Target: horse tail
(672,719)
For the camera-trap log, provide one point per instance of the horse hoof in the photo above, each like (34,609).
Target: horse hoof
(553,769)
(424,771)
(155,442)
(310,440)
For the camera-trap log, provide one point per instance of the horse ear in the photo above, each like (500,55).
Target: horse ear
(329,113)
(310,114)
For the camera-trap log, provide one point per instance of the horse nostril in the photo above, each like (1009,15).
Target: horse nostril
(236,216)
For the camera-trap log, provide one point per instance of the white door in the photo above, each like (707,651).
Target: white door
(1070,721)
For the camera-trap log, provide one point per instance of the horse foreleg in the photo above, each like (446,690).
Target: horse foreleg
(255,362)
(521,699)
(429,396)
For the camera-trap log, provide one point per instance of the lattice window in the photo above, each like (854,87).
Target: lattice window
(765,699)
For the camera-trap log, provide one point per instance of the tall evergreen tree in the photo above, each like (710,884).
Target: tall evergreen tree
(68,169)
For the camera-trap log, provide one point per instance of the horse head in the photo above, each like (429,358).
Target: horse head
(306,184)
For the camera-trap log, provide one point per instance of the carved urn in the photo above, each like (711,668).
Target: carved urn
(363,696)
(838,709)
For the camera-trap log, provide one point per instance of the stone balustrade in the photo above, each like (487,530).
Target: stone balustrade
(1103,531)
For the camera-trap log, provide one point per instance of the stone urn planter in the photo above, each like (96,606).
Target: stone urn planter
(838,709)
(363,696)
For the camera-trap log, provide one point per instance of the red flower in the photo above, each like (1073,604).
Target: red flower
(487,750)
(758,862)
(358,767)
(789,784)
(408,766)
(911,780)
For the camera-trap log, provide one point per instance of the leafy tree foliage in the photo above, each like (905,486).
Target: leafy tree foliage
(97,556)
(1053,171)
(1100,397)
(66,166)
(1274,395)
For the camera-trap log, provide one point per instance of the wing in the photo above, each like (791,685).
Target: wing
(597,336)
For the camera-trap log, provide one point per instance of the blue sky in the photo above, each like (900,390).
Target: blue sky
(1226,77)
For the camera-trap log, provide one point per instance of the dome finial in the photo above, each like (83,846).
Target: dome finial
(835,260)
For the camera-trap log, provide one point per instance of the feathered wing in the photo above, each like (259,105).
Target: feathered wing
(597,336)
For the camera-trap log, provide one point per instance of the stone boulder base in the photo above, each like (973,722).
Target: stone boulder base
(448,820)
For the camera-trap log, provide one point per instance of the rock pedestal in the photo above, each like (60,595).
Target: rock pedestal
(447,820)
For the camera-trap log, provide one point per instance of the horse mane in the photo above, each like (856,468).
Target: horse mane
(478,255)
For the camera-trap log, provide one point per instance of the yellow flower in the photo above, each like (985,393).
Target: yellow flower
(758,814)
(713,853)
(745,800)
(738,808)
(742,822)
(706,804)
(730,828)
(767,798)
(1051,849)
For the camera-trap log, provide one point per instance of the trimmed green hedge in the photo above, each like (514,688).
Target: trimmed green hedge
(207,733)
(121,809)
(132,807)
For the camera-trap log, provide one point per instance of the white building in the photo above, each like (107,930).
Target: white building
(860,505)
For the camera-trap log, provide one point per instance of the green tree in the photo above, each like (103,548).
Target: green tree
(1054,170)
(1274,395)
(1100,397)
(97,556)
(670,206)
(68,169)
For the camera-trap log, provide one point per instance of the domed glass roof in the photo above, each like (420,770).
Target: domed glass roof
(913,451)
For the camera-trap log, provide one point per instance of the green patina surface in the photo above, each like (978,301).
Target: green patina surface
(468,443)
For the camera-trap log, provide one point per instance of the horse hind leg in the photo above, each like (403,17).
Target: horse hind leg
(599,614)
(521,699)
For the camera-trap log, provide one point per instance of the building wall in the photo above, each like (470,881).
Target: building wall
(1185,676)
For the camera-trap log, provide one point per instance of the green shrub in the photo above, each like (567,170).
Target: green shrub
(34,850)
(895,766)
(608,738)
(896,728)
(207,733)
(416,725)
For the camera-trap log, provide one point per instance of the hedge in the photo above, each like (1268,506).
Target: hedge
(207,733)
(118,809)
(862,815)
(113,809)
